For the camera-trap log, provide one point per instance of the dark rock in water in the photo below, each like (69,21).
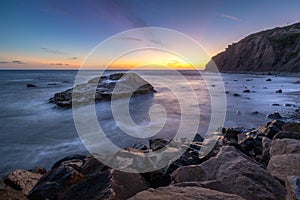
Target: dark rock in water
(294,127)
(292,184)
(279,91)
(233,172)
(268,79)
(275,104)
(110,184)
(198,138)
(236,95)
(29,85)
(255,113)
(274,115)
(118,85)
(250,79)
(247,91)
(187,192)
(289,105)
(158,143)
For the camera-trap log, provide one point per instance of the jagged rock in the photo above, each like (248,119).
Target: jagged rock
(287,134)
(158,143)
(285,158)
(110,184)
(38,170)
(266,145)
(10,194)
(22,180)
(271,129)
(191,173)
(117,85)
(230,171)
(252,145)
(270,50)
(293,127)
(292,184)
(188,193)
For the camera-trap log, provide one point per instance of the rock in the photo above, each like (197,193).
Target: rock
(271,129)
(158,143)
(266,145)
(285,158)
(10,194)
(29,85)
(188,193)
(236,95)
(233,172)
(289,105)
(22,180)
(293,127)
(247,91)
(255,113)
(274,115)
(128,84)
(287,134)
(38,170)
(250,79)
(269,50)
(191,173)
(285,146)
(252,144)
(282,166)
(110,184)
(292,184)
(232,134)
(275,104)
(279,91)
(268,79)
(198,138)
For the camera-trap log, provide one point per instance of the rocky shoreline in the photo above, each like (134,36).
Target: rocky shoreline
(244,164)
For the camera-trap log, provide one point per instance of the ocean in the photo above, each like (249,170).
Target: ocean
(34,132)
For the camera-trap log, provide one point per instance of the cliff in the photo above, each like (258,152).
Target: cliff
(276,49)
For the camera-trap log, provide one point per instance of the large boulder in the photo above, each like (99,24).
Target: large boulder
(103,88)
(231,171)
(293,127)
(188,193)
(110,184)
(285,158)
(292,184)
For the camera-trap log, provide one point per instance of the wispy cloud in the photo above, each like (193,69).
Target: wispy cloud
(59,64)
(231,17)
(74,58)
(14,62)
(130,38)
(18,62)
(53,51)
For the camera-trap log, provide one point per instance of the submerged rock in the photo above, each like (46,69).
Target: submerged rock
(104,88)
(29,85)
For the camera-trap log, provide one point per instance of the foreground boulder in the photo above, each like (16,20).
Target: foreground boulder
(188,193)
(292,185)
(285,158)
(103,88)
(233,172)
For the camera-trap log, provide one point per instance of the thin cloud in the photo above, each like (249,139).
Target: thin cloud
(59,64)
(3,62)
(231,17)
(53,51)
(74,58)
(130,38)
(18,62)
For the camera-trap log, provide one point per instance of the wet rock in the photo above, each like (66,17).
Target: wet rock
(293,127)
(255,113)
(29,85)
(289,105)
(268,79)
(266,145)
(106,88)
(287,134)
(232,134)
(158,143)
(250,79)
(22,180)
(246,91)
(275,104)
(110,184)
(285,158)
(189,193)
(279,91)
(38,170)
(292,184)
(230,171)
(236,95)
(271,129)
(274,115)
(252,145)
(198,138)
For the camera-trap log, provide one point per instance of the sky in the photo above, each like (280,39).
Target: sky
(60,34)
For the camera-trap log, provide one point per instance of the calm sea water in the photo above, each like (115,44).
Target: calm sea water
(34,132)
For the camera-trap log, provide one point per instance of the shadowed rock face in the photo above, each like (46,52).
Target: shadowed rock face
(271,50)
(104,88)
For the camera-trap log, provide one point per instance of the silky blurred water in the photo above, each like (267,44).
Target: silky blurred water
(34,132)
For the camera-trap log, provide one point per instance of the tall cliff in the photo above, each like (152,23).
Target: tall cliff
(276,49)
